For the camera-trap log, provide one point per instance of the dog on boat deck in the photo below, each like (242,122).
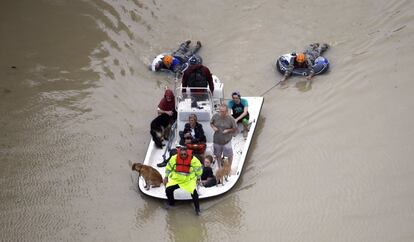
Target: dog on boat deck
(160,128)
(151,176)
(224,172)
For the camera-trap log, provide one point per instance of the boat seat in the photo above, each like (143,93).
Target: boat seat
(202,110)
(201,116)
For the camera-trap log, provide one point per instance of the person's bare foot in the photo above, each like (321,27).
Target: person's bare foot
(245,133)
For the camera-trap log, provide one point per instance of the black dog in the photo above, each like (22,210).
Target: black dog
(160,128)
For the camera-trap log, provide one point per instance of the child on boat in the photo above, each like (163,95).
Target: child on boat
(207,178)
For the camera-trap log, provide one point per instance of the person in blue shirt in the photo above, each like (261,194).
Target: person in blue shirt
(175,61)
(239,106)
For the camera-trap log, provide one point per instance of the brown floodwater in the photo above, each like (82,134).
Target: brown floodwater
(328,162)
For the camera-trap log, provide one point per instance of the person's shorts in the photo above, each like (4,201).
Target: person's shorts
(245,120)
(211,182)
(225,150)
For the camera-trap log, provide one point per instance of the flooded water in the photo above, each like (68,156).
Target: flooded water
(329,163)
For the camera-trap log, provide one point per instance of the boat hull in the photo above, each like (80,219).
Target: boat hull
(240,151)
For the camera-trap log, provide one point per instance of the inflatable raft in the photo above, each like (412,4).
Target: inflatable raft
(321,65)
(194,59)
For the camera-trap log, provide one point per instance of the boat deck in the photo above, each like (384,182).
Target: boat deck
(240,150)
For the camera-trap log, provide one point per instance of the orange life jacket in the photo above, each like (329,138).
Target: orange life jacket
(183,165)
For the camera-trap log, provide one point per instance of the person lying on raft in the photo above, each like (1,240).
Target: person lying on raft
(178,58)
(305,60)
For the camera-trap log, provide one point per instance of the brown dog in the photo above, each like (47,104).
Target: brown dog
(150,174)
(224,172)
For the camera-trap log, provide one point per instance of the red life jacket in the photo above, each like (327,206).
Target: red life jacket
(197,148)
(183,165)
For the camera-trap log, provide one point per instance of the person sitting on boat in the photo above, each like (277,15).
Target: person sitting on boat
(240,113)
(305,60)
(175,62)
(197,75)
(193,136)
(167,105)
(207,178)
(224,127)
(183,170)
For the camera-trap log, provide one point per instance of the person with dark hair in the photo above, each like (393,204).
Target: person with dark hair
(239,106)
(207,178)
(183,170)
(198,76)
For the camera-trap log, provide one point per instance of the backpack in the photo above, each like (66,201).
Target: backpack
(197,78)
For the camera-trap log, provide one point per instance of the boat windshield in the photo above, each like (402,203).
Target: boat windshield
(194,98)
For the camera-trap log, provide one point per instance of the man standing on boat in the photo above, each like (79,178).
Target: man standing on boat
(198,75)
(183,170)
(305,60)
(224,126)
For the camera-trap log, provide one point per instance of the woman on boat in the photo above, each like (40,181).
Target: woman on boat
(193,136)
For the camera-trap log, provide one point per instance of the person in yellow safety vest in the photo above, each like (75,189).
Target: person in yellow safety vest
(183,170)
